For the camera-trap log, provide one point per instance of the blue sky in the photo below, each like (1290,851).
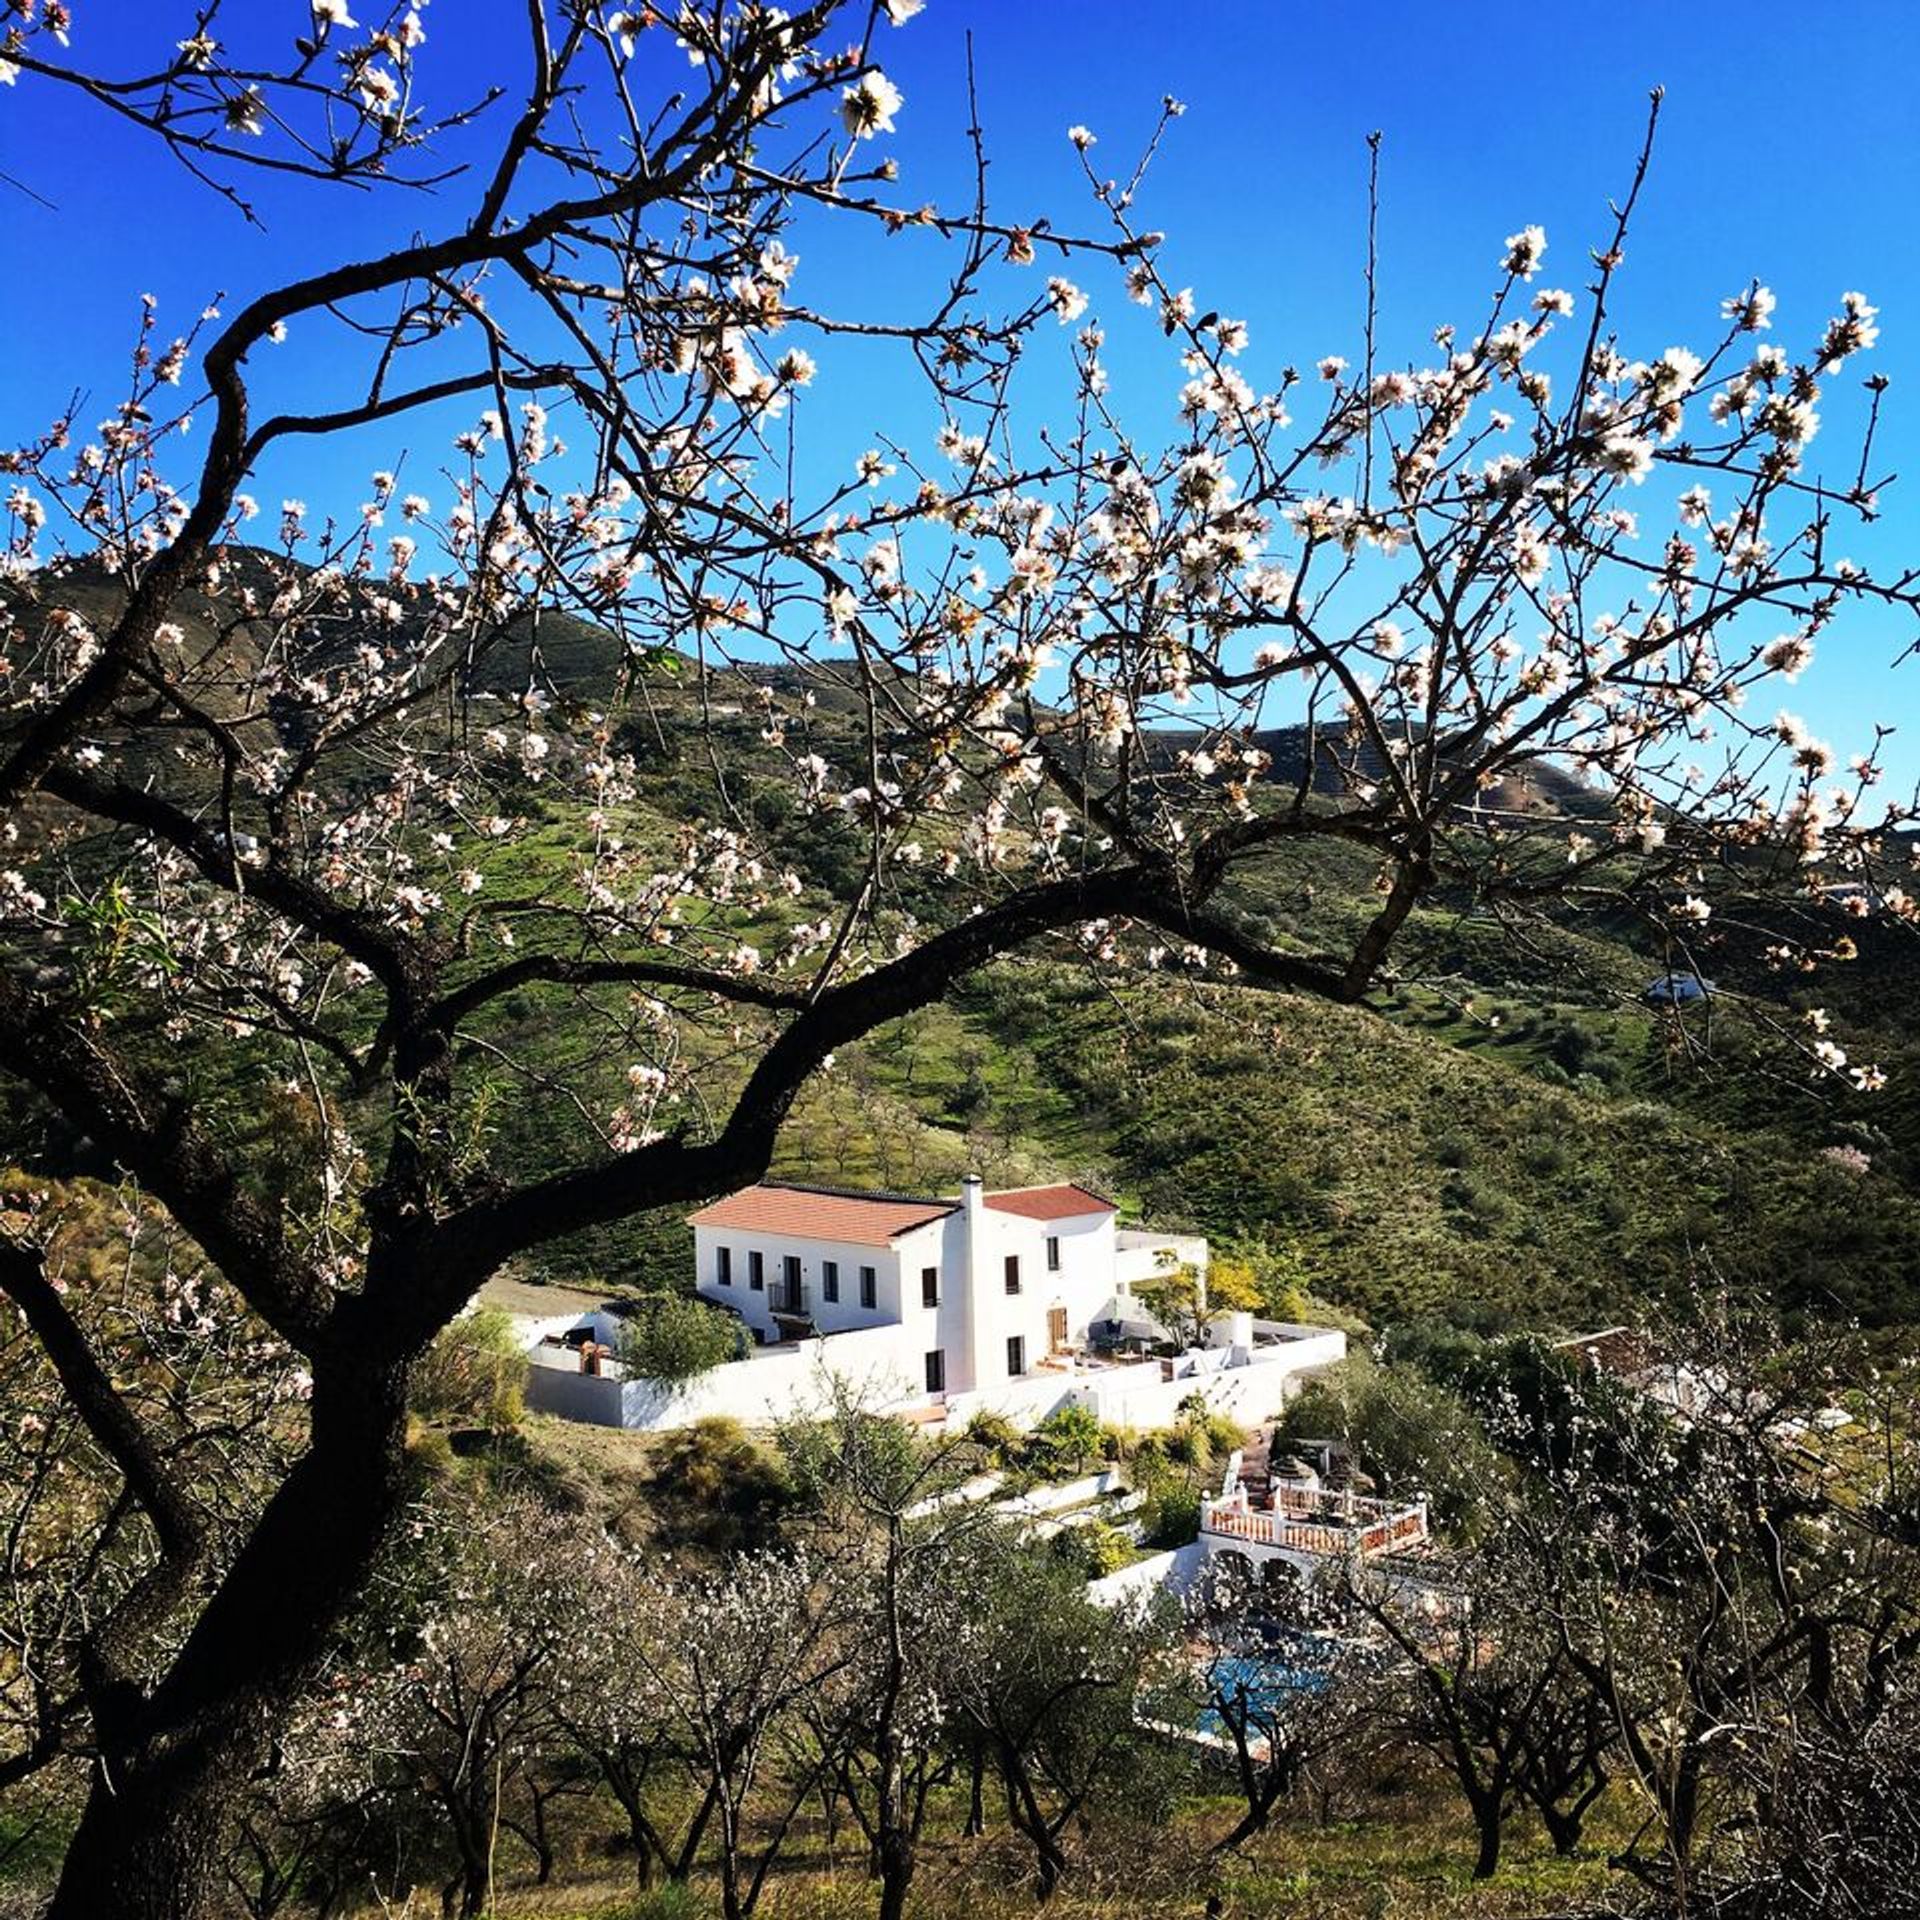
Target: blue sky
(1790,151)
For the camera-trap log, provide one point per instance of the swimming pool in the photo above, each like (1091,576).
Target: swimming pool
(1298,1664)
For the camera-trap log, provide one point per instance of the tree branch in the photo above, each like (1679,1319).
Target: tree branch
(472,1243)
(153,1134)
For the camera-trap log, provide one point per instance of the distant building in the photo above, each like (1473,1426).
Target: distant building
(1677,990)
(1637,1361)
(982,1289)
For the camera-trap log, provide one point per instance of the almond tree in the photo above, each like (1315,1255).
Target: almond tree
(1058,1690)
(315,814)
(447,1709)
(1735,1583)
(735,1660)
(881,1510)
(1282,1713)
(1482,1680)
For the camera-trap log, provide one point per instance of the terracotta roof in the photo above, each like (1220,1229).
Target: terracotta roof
(821,1213)
(1064,1202)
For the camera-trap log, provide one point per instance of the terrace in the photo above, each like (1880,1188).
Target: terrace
(1316,1521)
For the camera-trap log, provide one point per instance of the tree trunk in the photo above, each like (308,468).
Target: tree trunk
(896,1875)
(1563,1828)
(1029,1818)
(151,1839)
(474,1891)
(1486,1817)
(1255,1820)
(976,1794)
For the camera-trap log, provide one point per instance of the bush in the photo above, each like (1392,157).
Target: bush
(1093,1549)
(1148,1467)
(673,1900)
(1171,1518)
(716,1484)
(1215,1433)
(1069,1436)
(475,1372)
(996,1436)
(674,1339)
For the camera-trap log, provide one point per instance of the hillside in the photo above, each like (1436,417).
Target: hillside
(1509,1137)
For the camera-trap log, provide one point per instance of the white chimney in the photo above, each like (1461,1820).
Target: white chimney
(978,1322)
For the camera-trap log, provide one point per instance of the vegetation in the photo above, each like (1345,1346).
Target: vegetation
(475,1371)
(387,911)
(1188,1303)
(673,1339)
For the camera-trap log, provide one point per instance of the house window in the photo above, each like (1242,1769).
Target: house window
(757,1271)
(723,1265)
(790,1283)
(1016,1357)
(1053,1253)
(936,1371)
(1013,1273)
(830,1279)
(929,1286)
(869,1288)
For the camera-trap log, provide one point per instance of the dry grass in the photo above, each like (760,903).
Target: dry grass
(1407,1856)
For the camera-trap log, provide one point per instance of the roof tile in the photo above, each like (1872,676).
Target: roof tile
(1064,1201)
(820,1213)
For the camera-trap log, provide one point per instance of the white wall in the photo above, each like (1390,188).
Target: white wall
(531,1332)
(1142,1256)
(883,1365)
(1081,1285)
(597,1399)
(1025,1402)
(828,1315)
(975,1316)
(1136,1585)
(1142,1396)
(794,1379)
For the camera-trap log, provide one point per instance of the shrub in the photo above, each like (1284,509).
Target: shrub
(722,1485)
(1220,1432)
(996,1436)
(1071,1435)
(474,1372)
(673,1900)
(1171,1518)
(674,1339)
(1148,1467)
(1094,1549)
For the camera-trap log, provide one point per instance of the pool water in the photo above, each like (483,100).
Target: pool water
(1301,1665)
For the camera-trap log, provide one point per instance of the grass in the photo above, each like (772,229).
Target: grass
(1406,1854)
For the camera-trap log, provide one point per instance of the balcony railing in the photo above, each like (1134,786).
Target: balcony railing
(1318,1522)
(790,1298)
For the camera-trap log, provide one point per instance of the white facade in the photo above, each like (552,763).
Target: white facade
(935,1309)
(995,1293)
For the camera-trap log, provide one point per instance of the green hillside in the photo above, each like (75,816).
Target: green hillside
(1507,1136)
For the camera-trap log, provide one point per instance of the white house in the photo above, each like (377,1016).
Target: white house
(936,1308)
(982,1290)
